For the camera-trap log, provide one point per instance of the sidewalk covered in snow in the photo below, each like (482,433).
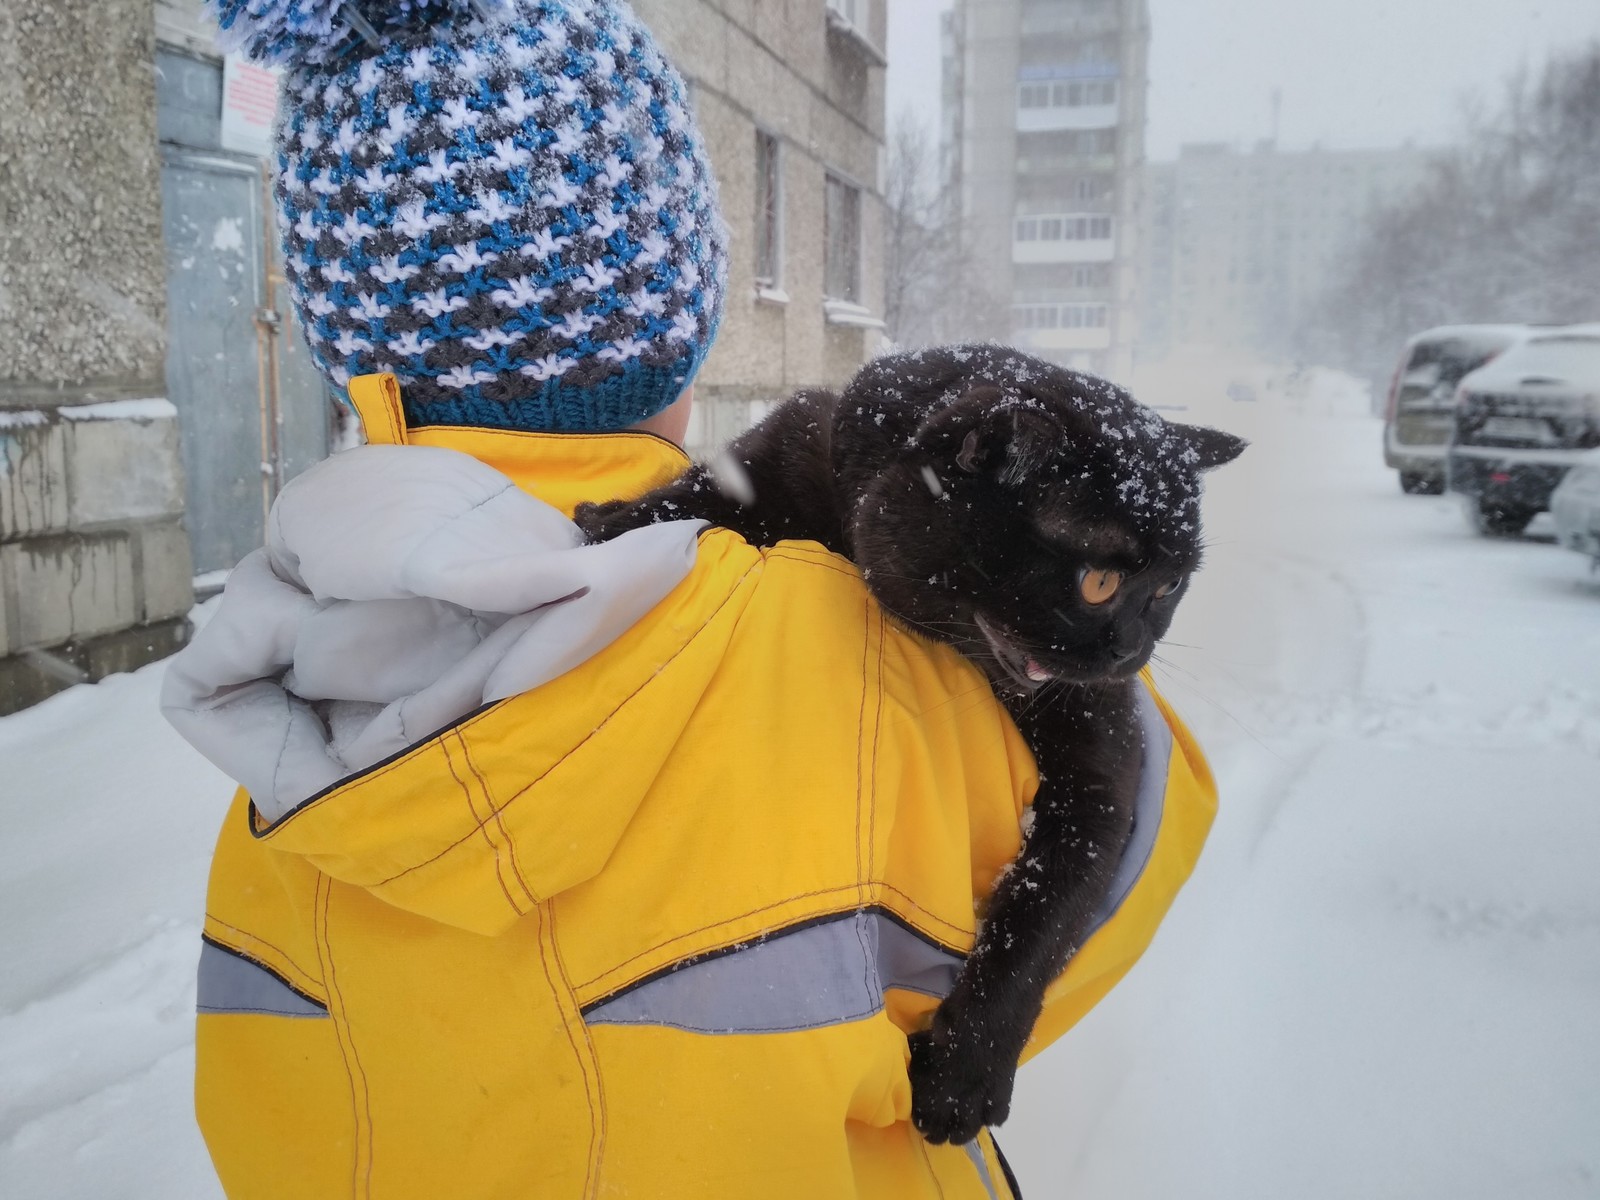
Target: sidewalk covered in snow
(1380,983)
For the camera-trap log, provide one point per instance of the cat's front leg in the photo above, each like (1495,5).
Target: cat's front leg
(694,495)
(1088,746)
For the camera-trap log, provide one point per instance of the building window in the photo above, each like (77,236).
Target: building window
(769,211)
(1069,227)
(1062,316)
(1065,94)
(842,232)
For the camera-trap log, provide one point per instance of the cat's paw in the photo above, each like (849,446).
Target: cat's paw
(957,1088)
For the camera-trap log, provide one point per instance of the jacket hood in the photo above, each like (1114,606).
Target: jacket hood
(401,588)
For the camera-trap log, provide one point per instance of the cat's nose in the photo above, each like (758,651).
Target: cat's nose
(1126,648)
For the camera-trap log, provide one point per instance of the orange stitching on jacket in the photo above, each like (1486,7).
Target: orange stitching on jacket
(877,885)
(877,731)
(870,781)
(861,737)
(305,975)
(511,843)
(336,1011)
(927,1160)
(359,781)
(676,654)
(482,826)
(816,560)
(754,912)
(541,914)
(594,1056)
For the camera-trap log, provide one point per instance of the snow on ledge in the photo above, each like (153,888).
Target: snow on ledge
(843,312)
(11,418)
(155,409)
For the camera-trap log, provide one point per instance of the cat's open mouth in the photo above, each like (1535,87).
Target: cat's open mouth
(1023,668)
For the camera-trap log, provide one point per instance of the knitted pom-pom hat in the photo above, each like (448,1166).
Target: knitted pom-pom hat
(503,202)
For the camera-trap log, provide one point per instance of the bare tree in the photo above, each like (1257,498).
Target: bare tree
(933,292)
(1502,229)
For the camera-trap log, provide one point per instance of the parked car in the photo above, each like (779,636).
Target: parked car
(1522,422)
(1417,419)
(1575,504)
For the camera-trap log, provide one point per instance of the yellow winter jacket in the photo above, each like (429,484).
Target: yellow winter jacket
(657,928)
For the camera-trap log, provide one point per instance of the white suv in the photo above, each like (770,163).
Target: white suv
(1522,422)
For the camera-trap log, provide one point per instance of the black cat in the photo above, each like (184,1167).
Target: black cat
(1045,525)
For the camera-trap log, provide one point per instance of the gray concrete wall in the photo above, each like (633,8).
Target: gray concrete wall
(94,562)
(773,65)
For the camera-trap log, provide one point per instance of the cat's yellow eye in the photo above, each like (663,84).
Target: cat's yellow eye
(1166,589)
(1098,586)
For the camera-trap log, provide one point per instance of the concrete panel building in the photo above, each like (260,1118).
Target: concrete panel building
(790,97)
(1240,246)
(1044,144)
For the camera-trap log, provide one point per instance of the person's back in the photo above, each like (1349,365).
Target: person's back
(633,885)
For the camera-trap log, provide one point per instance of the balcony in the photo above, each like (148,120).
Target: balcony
(1083,116)
(1045,105)
(1068,325)
(1064,238)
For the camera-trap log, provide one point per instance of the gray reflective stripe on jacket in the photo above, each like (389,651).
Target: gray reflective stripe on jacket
(231,983)
(975,1153)
(805,978)
(836,970)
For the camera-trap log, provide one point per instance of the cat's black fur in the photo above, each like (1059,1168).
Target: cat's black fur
(973,485)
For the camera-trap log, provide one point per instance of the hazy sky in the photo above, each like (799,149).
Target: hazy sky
(1354,73)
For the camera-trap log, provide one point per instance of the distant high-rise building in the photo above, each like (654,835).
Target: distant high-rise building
(1239,248)
(1044,109)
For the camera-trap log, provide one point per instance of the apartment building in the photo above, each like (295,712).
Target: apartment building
(1240,246)
(1044,110)
(790,97)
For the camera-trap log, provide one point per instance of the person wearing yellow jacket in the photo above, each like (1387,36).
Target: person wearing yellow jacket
(562,870)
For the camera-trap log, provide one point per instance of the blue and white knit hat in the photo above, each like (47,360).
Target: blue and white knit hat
(504,202)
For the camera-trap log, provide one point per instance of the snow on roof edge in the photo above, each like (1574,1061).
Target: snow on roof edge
(156,408)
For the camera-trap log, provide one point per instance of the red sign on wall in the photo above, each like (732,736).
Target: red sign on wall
(249,103)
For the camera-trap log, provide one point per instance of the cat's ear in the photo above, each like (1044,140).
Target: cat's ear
(987,434)
(1214,447)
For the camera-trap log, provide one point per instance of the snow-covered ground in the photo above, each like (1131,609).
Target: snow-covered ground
(1383,981)
(1381,984)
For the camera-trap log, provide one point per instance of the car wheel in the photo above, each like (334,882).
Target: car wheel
(1495,520)
(1415,483)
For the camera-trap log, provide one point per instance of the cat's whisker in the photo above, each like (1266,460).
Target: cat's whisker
(1190,686)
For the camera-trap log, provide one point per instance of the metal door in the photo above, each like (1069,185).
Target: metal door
(252,410)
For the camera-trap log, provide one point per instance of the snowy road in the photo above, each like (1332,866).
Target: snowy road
(1382,981)
(1381,984)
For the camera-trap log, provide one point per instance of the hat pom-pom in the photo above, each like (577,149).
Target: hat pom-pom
(290,32)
